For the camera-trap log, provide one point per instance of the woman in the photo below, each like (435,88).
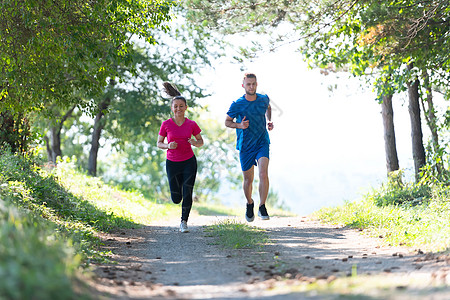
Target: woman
(181,164)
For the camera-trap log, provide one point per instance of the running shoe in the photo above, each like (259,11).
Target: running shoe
(184,227)
(249,214)
(262,213)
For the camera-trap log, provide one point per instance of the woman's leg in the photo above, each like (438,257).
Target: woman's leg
(175,175)
(189,175)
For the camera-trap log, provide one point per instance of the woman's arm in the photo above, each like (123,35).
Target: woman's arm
(162,145)
(197,142)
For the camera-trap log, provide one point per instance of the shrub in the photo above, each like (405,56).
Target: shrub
(395,192)
(34,262)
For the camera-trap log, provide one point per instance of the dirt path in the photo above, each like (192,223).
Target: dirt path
(158,262)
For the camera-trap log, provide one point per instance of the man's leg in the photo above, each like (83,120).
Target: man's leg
(248,184)
(263,167)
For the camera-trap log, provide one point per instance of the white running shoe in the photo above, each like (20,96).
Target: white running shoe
(184,227)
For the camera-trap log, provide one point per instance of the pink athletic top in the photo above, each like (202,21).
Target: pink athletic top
(180,135)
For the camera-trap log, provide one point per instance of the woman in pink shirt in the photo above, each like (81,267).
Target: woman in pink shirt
(181,164)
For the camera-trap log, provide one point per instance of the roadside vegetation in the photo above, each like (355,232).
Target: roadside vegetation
(50,221)
(410,214)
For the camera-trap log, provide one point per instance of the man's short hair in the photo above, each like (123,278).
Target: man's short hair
(249,75)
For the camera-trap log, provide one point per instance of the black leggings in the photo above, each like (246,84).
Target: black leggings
(181,176)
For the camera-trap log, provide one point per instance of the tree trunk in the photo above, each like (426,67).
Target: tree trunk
(430,117)
(390,147)
(54,142)
(416,125)
(99,124)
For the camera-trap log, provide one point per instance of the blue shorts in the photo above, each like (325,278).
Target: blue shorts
(250,158)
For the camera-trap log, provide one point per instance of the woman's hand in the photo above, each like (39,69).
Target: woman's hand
(172,145)
(197,142)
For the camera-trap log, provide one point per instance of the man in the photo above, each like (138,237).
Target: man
(248,115)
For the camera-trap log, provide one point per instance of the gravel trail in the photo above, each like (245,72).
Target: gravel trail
(158,262)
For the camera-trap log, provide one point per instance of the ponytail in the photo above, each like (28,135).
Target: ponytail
(172,91)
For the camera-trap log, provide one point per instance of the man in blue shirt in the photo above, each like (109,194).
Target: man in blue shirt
(248,115)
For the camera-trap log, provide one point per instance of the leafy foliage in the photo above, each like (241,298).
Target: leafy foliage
(241,16)
(48,49)
(394,192)
(413,215)
(23,276)
(26,233)
(57,217)
(15,132)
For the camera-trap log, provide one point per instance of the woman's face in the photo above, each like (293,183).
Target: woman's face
(178,107)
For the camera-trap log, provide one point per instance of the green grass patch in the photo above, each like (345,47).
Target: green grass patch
(232,234)
(35,261)
(50,220)
(421,222)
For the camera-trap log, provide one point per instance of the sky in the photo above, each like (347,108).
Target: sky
(327,146)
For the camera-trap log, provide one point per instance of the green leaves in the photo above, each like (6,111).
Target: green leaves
(51,48)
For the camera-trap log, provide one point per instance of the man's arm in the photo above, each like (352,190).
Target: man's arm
(269,113)
(269,117)
(229,122)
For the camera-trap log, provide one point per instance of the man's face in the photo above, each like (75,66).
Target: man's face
(249,86)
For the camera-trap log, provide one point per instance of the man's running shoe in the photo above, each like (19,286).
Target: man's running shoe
(249,214)
(184,227)
(262,212)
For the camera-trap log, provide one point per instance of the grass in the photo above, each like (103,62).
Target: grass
(421,222)
(233,234)
(56,215)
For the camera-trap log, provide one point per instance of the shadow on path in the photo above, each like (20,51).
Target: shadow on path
(158,262)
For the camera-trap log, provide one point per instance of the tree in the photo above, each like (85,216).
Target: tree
(389,134)
(15,132)
(53,140)
(432,121)
(369,38)
(49,49)
(134,105)
(416,124)
(99,124)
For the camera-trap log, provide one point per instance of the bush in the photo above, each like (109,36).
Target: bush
(15,132)
(395,192)
(415,215)
(49,223)
(34,262)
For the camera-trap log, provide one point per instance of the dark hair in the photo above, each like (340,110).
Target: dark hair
(173,92)
(249,75)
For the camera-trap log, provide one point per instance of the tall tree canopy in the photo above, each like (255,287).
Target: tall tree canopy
(397,45)
(49,50)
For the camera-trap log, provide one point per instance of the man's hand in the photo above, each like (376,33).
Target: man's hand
(244,124)
(270,126)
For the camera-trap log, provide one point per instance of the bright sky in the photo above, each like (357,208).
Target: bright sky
(326,147)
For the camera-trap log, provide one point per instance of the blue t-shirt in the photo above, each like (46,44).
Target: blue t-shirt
(255,112)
